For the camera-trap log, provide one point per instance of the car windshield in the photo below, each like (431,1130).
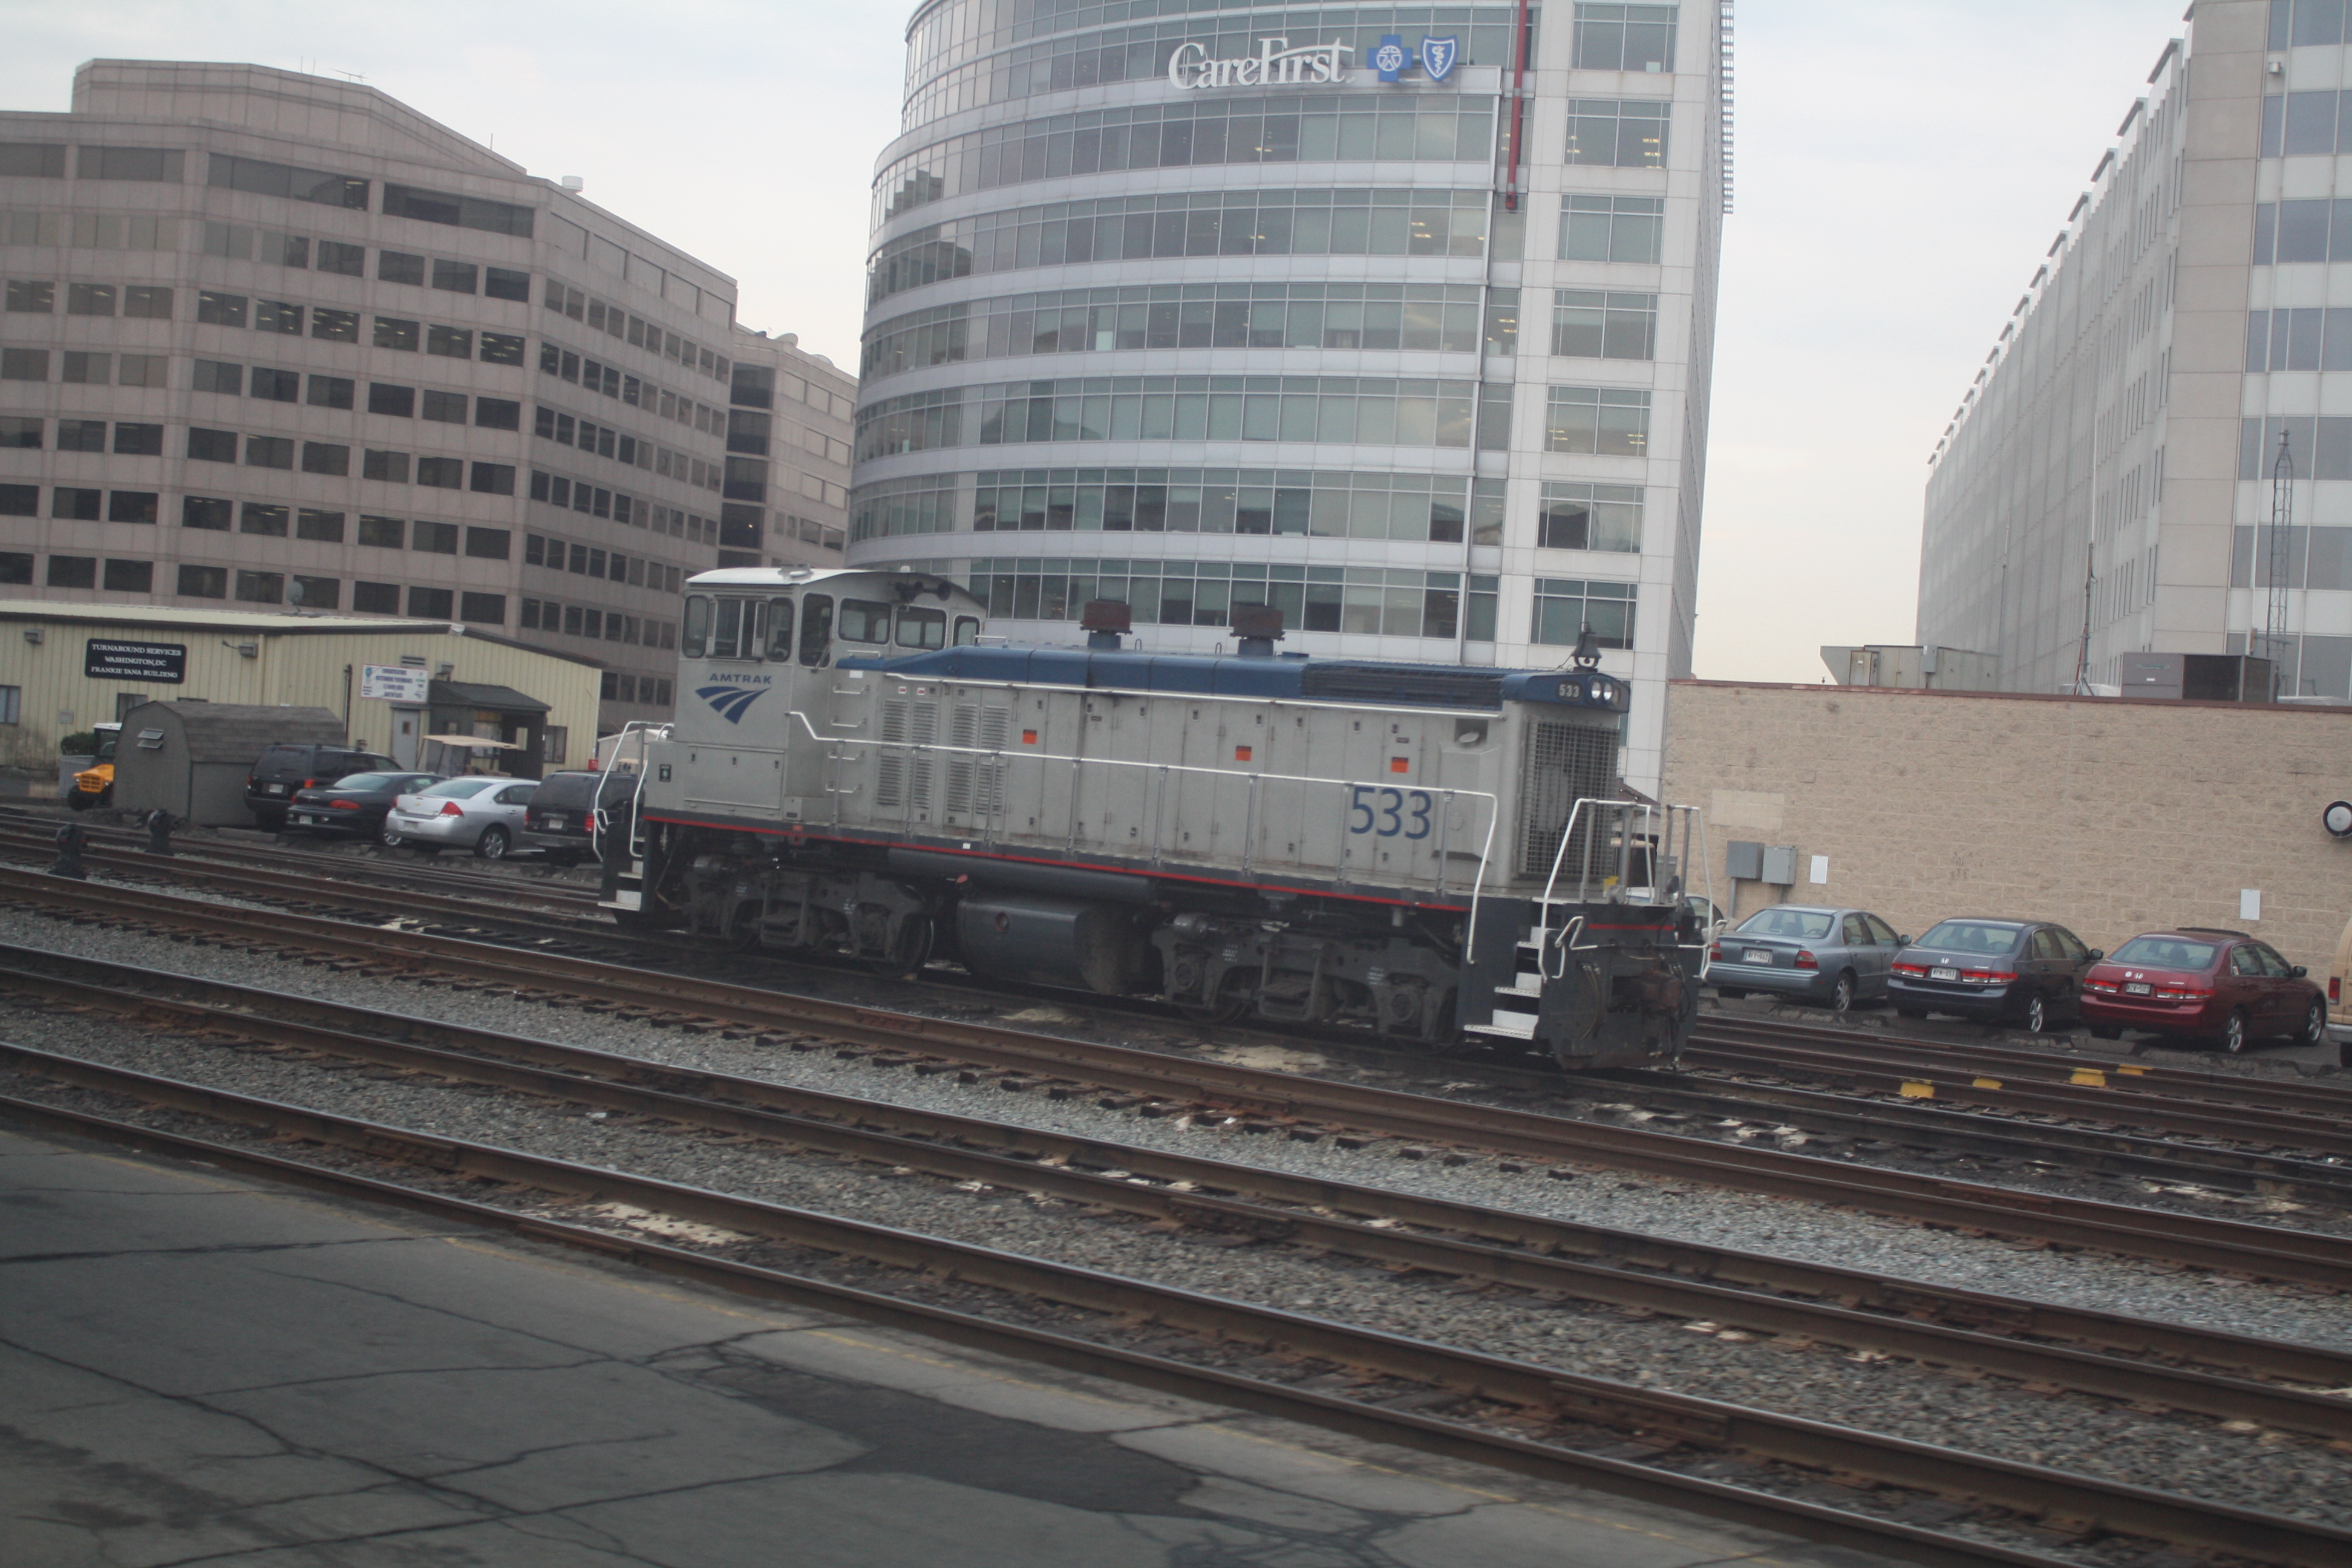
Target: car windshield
(463,789)
(2166,953)
(1973,936)
(1803,925)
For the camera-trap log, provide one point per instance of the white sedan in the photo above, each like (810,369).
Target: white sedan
(484,815)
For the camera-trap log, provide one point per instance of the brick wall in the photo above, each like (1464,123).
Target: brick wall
(2109,816)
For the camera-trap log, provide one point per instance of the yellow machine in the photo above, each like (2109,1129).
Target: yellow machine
(94,785)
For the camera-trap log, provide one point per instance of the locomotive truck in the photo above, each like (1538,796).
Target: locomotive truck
(1432,853)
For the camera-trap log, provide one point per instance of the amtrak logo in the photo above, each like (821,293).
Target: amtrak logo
(730,701)
(1438,55)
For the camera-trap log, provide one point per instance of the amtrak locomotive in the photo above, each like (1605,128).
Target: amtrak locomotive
(1425,851)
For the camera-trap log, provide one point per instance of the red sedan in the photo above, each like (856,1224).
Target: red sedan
(2203,985)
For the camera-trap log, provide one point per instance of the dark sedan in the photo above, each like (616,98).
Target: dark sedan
(2028,972)
(353,804)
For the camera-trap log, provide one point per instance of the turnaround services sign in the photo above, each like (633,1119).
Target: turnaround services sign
(164,663)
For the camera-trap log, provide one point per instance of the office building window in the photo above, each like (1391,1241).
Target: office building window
(458,212)
(385,398)
(483,609)
(221,309)
(392,332)
(497,480)
(319,593)
(1589,517)
(278,316)
(204,582)
(31,296)
(376,598)
(399,267)
(1626,37)
(261,587)
(383,532)
(505,283)
(76,505)
(1589,324)
(441,473)
(15,565)
(349,260)
(129,576)
(1624,134)
(268,452)
(490,543)
(445,407)
(431,603)
(326,527)
(263,517)
(449,342)
(81,434)
(392,467)
(212,446)
(89,299)
(152,301)
(276,385)
(132,506)
(138,440)
(79,366)
(457,277)
(502,348)
(335,326)
(204,512)
(215,375)
(73,572)
(498,413)
(1607,421)
(141,369)
(162,165)
(434,538)
(23,364)
(325,457)
(1563,609)
(20,432)
(329,391)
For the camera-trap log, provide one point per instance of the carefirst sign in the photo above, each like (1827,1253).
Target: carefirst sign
(1276,63)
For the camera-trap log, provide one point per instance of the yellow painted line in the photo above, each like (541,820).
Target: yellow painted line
(1918,1089)
(2132,1071)
(1986,1083)
(2090,1077)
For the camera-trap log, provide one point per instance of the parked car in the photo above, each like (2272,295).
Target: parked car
(560,817)
(281,773)
(2204,984)
(2028,972)
(1821,953)
(481,812)
(356,804)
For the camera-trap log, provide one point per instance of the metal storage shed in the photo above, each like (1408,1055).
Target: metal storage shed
(191,758)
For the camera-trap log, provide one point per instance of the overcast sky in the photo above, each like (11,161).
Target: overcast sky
(1902,165)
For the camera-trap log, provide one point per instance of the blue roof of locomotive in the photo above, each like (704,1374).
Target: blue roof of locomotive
(1232,675)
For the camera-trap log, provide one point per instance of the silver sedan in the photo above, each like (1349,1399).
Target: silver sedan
(481,813)
(1810,951)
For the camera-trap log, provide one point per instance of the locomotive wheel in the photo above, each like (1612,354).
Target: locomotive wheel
(910,949)
(1233,1003)
(742,932)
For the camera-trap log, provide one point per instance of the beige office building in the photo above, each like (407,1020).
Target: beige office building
(2115,454)
(275,341)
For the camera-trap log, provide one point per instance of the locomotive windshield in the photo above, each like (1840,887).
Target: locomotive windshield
(865,620)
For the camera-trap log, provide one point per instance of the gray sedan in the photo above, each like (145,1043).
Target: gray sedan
(1810,951)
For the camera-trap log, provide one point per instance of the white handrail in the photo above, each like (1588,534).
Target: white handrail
(1486,852)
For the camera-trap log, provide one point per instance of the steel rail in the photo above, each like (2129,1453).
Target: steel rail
(2037,1491)
(2091,1093)
(2306,1097)
(1525,1251)
(2232,1245)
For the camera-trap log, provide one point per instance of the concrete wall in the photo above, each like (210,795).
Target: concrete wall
(2111,816)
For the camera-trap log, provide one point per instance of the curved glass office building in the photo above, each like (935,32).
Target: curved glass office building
(1348,310)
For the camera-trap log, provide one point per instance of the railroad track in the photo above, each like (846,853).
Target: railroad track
(2142,1362)
(1523,1416)
(1304,1105)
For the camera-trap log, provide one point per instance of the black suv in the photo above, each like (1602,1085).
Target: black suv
(558,820)
(282,772)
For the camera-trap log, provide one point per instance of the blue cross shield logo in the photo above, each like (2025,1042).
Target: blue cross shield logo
(730,701)
(1388,57)
(1438,55)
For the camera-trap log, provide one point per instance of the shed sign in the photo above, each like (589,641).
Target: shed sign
(394,683)
(165,662)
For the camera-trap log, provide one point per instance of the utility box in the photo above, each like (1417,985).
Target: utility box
(1779,865)
(1743,861)
(2195,677)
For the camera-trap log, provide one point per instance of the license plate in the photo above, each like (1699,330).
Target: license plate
(1756,956)
(1943,974)
(2139,988)
(273,789)
(554,824)
(306,820)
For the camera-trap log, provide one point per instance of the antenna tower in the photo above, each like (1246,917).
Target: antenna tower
(2083,652)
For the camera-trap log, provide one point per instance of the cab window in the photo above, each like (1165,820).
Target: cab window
(816,629)
(780,630)
(735,630)
(863,620)
(967,630)
(922,628)
(695,639)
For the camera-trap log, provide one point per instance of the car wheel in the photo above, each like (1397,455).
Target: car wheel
(1842,995)
(492,844)
(390,839)
(2314,1026)
(2037,1016)
(1730,993)
(2105,1032)
(2233,1033)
